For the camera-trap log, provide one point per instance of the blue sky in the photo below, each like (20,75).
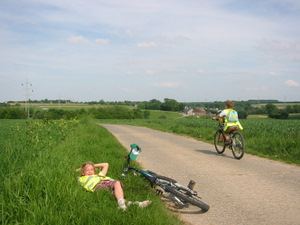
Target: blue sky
(191,50)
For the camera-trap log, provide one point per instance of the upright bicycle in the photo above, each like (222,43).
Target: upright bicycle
(236,141)
(181,195)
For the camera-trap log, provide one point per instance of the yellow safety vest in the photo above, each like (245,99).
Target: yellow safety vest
(230,124)
(89,182)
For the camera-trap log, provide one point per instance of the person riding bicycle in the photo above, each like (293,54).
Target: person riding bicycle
(229,123)
(91,181)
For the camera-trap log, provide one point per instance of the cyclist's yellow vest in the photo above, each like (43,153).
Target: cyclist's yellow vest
(89,182)
(229,124)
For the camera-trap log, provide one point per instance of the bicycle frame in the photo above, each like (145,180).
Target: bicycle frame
(182,196)
(153,178)
(236,141)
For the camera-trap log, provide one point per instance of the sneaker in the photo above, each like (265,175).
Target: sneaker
(144,203)
(123,207)
(129,203)
(122,204)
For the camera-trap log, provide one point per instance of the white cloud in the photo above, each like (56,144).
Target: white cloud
(131,33)
(292,83)
(281,50)
(102,41)
(130,90)
(114,32)
(146,45)
(149,72)
(169,85)
(78,39)
(272,73)
(130,73)
(200,71)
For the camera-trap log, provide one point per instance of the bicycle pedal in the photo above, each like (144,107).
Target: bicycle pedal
(191,184)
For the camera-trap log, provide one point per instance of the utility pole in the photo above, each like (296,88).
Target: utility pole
(27,86)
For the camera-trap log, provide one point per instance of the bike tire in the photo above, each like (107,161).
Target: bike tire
(168,179)
(238,145)
(219,141)
(186,198)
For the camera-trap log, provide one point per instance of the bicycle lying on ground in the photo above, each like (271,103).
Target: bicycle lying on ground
(236,141)
(181,196)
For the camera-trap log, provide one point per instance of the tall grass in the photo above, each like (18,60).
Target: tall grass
(275,139)
(38,178)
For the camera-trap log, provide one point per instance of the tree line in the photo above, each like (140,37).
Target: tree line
(244,109)
(115,112)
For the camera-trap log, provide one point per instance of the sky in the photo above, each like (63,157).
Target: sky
(133,50)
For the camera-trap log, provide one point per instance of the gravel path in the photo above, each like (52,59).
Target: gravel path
(252,190)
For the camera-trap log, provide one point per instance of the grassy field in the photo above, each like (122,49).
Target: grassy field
(279,105)
(270,138)
(69,106)
(39,183)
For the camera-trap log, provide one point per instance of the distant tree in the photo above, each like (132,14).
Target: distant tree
(274,112)
(280,114)
(137,114)
(146,114)
(39,114)
(296,108)
(102,102)
(12,113)
(69,115)
(170,105)
(271,109)
(289,109)
(4,105)
(93,103)
(243,114)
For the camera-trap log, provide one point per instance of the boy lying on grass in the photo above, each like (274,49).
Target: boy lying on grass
(93,182)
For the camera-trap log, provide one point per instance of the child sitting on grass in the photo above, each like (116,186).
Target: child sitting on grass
(93,182)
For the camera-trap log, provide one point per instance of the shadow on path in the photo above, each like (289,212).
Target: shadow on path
(186,210)
(209,152)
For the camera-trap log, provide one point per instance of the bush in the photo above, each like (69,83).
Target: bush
(12,113)
(279,114)
(243,114)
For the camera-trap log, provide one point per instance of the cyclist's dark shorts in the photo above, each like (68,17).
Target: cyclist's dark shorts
(230,128)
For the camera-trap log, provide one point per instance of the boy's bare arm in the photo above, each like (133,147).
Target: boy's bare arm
(104,167)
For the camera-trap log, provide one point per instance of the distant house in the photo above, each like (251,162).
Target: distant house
(188,111)
(199,111)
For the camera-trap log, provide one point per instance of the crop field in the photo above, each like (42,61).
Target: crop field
(39,184)
(270,138)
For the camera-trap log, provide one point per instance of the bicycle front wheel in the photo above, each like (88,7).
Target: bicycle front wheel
(194,200)
(219,141)
(238,145)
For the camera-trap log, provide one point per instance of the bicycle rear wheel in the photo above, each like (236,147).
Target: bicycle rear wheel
(219,141)
(238,145)
(194,200)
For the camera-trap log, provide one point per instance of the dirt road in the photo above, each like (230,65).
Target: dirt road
(252,190)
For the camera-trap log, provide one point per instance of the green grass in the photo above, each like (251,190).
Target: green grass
(39,183)
(270,138)
(295,116)
(158,114)
(71,107)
